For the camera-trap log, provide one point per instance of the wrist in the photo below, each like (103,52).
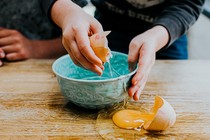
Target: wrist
(32,52)
(161,36)
(61,12)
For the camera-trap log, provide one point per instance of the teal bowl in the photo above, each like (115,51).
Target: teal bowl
(86,89)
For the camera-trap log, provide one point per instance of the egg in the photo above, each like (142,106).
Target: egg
(161,117)
(130,119)
(99,44)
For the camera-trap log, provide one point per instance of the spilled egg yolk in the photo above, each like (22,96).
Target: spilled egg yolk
(161,117)
(130,119)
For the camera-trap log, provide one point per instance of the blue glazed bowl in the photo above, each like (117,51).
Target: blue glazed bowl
(86,89)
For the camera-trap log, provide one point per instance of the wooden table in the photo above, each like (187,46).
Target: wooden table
(32,107)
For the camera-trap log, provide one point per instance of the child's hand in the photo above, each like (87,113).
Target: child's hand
(142,50)
(77,26)
(2,55)
(14,45)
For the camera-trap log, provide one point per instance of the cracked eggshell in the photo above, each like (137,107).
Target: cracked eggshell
(164,117)
(99,44)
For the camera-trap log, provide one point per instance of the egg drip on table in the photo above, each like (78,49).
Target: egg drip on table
(136,119)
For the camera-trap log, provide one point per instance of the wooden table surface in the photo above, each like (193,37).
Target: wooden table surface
(32,107)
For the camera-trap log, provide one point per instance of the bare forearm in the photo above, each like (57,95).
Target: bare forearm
(60,10)
(161,36)
(47,48)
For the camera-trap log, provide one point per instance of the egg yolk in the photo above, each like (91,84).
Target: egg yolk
(102,53)
(131,119)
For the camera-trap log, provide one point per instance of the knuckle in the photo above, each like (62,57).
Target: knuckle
(64,42)
(77,56)
(18,46)
(14,32)
(23,55)
(82,48)
(76,62)
(75,28)
(97,24)
(17,38)
(65,36)
(134,44)
(138,86)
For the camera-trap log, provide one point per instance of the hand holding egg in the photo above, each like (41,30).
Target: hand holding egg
(99,44)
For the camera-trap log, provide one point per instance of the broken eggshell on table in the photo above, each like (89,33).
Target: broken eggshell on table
(161,117)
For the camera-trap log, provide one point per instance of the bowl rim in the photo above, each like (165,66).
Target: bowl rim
(90,81)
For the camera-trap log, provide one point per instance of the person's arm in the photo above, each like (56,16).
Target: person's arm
(16,46)
(46,6)
(174,21)
(51,48)
(178,16)
(76,25)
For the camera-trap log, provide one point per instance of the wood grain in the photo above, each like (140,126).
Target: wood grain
(32,106)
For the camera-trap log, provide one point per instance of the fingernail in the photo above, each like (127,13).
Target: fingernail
(100,74)
(135,83)
(1,63)
(135,98)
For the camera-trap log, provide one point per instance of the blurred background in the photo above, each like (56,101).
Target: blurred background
(198,35)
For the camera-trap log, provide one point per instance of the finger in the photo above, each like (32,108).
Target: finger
(144,75)
(133,53)
(9,49)
(1,63)
(138,92)
(96,27)
(140,78)
(133,89)
(67,46)
(83,44)
(6,41)
(5,32)
(13,56)
(143,63)
(74,53)
(2,54)
(82,60)
(73,58)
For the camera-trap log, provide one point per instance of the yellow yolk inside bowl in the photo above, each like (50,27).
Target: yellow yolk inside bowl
(102,53)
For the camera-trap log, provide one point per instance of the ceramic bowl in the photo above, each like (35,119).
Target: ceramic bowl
(86,89)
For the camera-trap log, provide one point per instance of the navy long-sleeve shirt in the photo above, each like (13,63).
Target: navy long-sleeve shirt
(129,15)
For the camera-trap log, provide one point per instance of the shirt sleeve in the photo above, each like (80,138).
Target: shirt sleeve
(46,6)
(178,16)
